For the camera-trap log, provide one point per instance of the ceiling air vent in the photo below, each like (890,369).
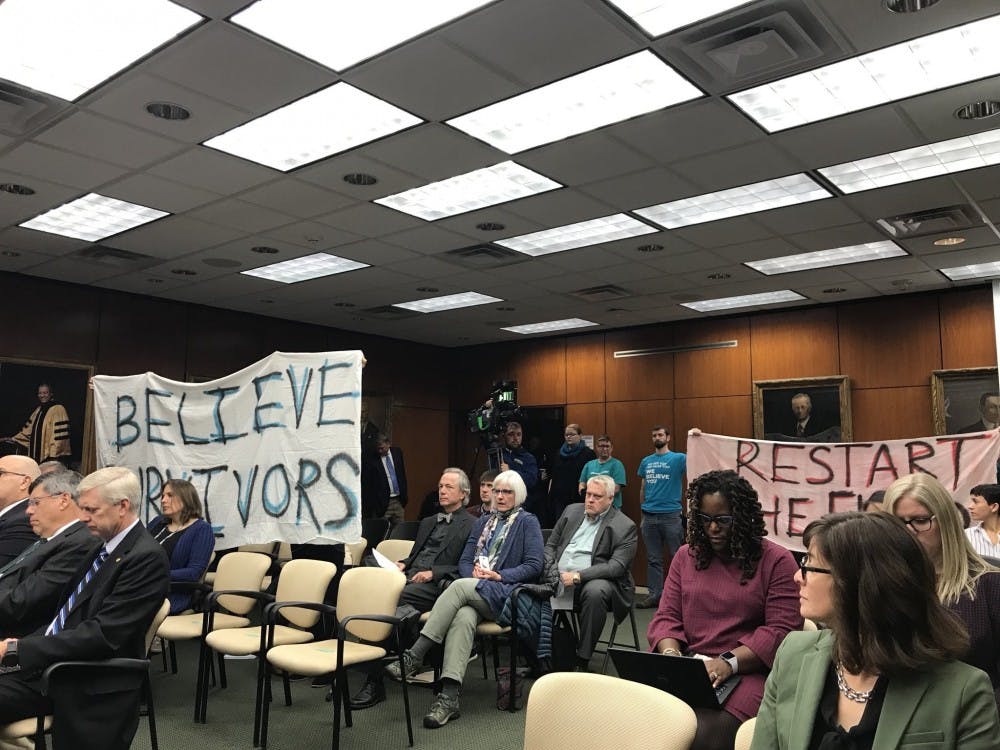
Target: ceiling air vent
(484,256)
(23,111)
(114,257)
(389,312)
(602,293)
(930,221)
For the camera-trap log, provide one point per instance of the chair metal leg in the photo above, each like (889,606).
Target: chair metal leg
(345,696)
(481,647)
(222,671)
(173,657)
(203,657)
(496,659)
(635,632)
(265,711)
(259,698)
(40,732)
(406,701)
(286,683)
(150,713)
(164,647)
(336,708)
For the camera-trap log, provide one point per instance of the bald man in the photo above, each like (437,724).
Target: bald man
(16,475)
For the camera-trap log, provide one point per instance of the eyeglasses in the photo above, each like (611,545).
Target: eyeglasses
(723,520)
(920,524)
(806,568)
(4,472)
(502,491)
(33,501)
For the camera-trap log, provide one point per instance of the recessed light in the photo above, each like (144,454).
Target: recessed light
(657,19)
(448,302)
(615,91)
(14,189)
(649,248)
(490,226)
(943,157)
(552,325)
(902,283)
(427,289)
(505,309)
(917,66)
(978,110)
(305,268)
(339,35)
(221,262)
(183,272)
(837,256)
(10,254)
(264,250)
(975,271)
(65,47)
(168,111)
(154,281)
(489,186)
(949,241)
(93,217)
(721,276)
(744,300)
(737,201)
(581,234)
(335,119)
(360,178)
(344,304)
(834,290)
(908,6)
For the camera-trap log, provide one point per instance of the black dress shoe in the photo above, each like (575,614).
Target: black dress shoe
(371,693)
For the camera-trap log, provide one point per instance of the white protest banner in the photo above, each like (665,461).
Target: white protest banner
(274,450)
(799,482)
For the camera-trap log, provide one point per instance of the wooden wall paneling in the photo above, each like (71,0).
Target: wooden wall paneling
(423,436)
(892,413)
(221,341)
(794,344)
(629,424)
(719,415)
(968,337)
(540,370)
(423,384)
(712,372)
(890,342)
(65,328)
(589,416)
(585,364)
(141,334)
(639,378)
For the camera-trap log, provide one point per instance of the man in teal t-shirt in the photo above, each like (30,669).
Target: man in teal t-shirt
(662,475)
(605,465)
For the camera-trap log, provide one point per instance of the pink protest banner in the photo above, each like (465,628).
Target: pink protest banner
(799,482)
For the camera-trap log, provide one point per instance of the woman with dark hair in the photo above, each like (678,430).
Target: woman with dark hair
(884,675)
(564,487)
(729,596)
(184,535)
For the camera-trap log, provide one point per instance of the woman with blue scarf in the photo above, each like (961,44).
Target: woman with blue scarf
(504,549)
(564,487)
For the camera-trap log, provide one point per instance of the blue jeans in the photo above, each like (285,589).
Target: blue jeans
(660,530)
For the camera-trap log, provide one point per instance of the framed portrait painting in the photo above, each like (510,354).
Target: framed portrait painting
(45,412)
(804,410)
(965,400)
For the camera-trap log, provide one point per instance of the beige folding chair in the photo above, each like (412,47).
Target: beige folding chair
(300,581)
(365,611)
(744,736)
(582,711)
(395,549)
(355,551)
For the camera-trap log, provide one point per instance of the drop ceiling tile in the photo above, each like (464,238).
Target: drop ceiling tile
(982,184)
(976,237)
(830,293)
(888,268)
(964,257)
(723,232)
(431,239)
(208,169)
(376,253)
(559,207)
(514,224)
(835,141)
(641,189)
(55,165)
(172,237)
(44,243)
(434,151)
(155,192)
(933,113)
(12,261)
(297,198)
(17,208)
(744,251)
(826,239)
(108,140)
(310,234)
(808,216)
(141,283)
(911,282)
(75,270)
(589,157)
(905,198)
(741,165)
(687,263)
(215,8)
(238,214)
(369,220)
(330,173)
(584,259)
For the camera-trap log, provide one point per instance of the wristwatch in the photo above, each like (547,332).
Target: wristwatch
(730,658)
(10,659)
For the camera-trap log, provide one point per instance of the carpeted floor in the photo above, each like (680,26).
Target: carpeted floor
(308,722)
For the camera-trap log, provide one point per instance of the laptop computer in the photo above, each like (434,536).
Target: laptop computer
(682,676)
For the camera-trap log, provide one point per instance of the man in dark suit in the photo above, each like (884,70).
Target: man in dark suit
(105,612)
(590,552)
(16,475)
(32,584)
(431,564)
(989,414)
(383,482)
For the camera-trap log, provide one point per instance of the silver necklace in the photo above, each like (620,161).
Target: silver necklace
(850,693)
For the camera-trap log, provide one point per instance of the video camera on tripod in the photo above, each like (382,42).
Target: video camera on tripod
(490,420)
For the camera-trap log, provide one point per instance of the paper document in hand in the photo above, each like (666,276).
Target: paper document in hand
(563,598)
(383,561)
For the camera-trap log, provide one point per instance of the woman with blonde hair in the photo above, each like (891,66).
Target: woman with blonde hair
(966,583)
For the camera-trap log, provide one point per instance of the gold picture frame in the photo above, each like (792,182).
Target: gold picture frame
(956,396)
(829,420)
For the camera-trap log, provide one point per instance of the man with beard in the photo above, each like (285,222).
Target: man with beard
(662,473)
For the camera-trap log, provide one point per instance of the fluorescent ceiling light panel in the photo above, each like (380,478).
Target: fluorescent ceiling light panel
(489,186)
(977,271)
(305,268)
(936,61)
(943,157)
(67,47)
(745,300)
(339,34)
(625,88)
(93,217)
(581,234)
(448,302)
(837,256)
(657,18)
(747,199)
(552,325)
(335,119)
